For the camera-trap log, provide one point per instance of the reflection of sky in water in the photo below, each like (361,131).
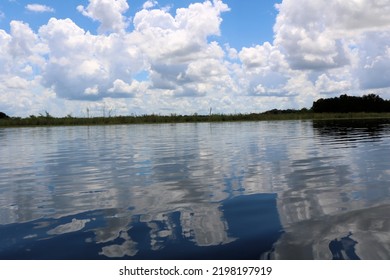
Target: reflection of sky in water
(158,191)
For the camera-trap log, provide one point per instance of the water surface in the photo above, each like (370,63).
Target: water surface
(245,190)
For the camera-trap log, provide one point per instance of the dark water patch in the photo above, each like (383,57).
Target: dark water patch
(350,133)
(62,238)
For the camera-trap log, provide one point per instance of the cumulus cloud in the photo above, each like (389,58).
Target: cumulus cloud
(173,50)
(306,34)
(169,62)
(374,60)
(356,15)
(325,46)
(108,12)
(326,84)
(38,8)
(314,52)
(264,70)
(149,4)
(23,40)
(177,45)
(122,88)
(315,34)
(20,51)
(84,66)
(5,38)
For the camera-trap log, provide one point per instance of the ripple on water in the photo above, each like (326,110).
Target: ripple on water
(290,189)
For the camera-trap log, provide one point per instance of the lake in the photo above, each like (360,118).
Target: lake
(240,190)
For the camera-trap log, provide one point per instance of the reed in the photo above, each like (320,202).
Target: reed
(273,115)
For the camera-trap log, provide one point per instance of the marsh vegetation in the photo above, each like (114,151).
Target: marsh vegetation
(343,107)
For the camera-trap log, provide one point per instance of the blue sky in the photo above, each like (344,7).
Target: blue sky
(185,56)
(255,17)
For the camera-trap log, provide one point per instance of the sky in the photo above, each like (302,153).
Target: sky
(80,57)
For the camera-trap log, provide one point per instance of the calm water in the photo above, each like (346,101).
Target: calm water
(250,190)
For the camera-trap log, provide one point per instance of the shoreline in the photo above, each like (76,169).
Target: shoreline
(46,121)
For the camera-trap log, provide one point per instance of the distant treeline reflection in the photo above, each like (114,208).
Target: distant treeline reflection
(352,130)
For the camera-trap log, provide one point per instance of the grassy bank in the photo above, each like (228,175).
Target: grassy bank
(147,119)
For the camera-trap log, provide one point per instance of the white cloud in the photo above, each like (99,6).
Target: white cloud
(176,47)
(121,88)
(315,34)
(232,52)
(149,4)
(5,60)
(16,82)
(321,47)
(20,50)
(78,60)
(264,70)
(357,15)
(374,60)
(169,63)
(303,32)
(23,40)
(325,84)
(38,8)
(92,90)
(266,56)
(108,12)
(22,97)
(69,52)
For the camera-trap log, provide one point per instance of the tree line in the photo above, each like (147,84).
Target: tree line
(349,104)
(3,116)
(322,108)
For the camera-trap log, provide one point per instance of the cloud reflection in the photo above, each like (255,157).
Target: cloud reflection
(143,188)
(74,225)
